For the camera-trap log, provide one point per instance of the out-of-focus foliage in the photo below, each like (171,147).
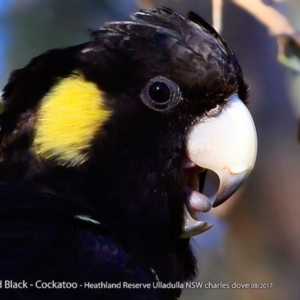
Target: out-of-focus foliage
(42,25)
(289,51)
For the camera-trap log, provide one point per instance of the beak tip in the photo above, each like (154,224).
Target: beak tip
(228,186)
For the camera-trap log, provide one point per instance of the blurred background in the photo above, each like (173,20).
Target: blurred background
(256,236)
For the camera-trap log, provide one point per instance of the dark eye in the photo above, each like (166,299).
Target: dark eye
(161,93)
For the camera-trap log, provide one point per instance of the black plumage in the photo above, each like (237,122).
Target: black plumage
(131,186)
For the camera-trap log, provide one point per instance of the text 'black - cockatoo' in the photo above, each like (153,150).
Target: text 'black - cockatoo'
(101,150)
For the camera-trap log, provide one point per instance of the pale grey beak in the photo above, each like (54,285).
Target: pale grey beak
(224,142)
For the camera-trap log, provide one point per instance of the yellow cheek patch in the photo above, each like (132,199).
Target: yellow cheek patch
(68,119)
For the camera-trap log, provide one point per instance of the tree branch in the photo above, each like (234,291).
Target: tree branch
(217,6)
(267,15)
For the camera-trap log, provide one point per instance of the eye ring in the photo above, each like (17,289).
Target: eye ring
(161,94)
